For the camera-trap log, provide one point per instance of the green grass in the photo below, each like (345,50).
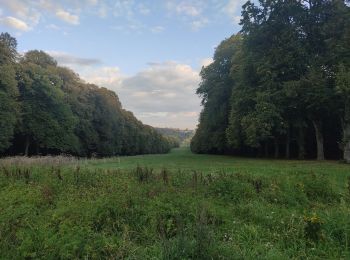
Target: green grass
(183,159)
(176,206)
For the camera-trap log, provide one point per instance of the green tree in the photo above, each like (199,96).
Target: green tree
(40,58)
(215,90)
(59,112)
(337,34)
(47,122)
(343,89)
(8,49)
(8,105)
(104,128)
(108,122)
(271,57)
(326,27)
(8,90)
(319,101)
(284,77)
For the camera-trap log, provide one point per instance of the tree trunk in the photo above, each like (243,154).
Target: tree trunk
(26,149)
(288,144)
(260,151)
(266,147)
(346,132)
(277,148)
(301,144)
(319,140)
(347,143)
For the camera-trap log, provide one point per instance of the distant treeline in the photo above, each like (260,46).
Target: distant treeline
(281,87)
(47,109)
(181,137)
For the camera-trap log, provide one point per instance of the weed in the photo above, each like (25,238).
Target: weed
(48,194)
(165,176)
(57,172)
(257,184)
(143,174)
(313,228)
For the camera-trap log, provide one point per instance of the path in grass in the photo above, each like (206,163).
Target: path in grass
(184,159)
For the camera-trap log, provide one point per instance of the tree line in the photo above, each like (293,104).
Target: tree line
(281,86)
(180,136)
(48,109)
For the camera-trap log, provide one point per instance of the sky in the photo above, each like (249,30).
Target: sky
(149,52)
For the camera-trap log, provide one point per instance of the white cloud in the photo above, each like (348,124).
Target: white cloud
(205,62)
(31,12)
(92,2)
(143,9)
(67,17)
(19,8)
(102,11)
(198,14)
(188,9)
(66,59)
(15,23)
(181,120)
(22,11)
(233,8)
(197,24)
(53,27)
(194,13)
(123,8)
(237,19)
(163,94)
(109,77)
(61,12)
(157,29)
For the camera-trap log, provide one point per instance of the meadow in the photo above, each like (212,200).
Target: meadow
(174,206)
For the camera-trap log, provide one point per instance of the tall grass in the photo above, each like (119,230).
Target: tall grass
(69,211)
(39,160)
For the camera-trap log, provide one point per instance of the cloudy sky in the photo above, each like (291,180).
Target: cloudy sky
(149,52)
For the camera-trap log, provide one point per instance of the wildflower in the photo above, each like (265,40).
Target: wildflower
(313,227)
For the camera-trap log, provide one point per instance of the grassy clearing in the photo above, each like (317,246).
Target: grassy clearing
(175,206)
(183,159)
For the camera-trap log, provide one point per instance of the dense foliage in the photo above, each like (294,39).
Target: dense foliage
(282,83)
(180,137)
(80,211)
(47,109)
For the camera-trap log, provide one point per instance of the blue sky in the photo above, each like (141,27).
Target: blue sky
(149,52)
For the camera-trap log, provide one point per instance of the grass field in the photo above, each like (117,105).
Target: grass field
(174,206)
(183,159)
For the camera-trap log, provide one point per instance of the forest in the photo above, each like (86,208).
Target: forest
(281,86)
(181,137)
(48,109)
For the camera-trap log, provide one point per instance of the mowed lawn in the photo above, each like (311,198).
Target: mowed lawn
(183,159)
